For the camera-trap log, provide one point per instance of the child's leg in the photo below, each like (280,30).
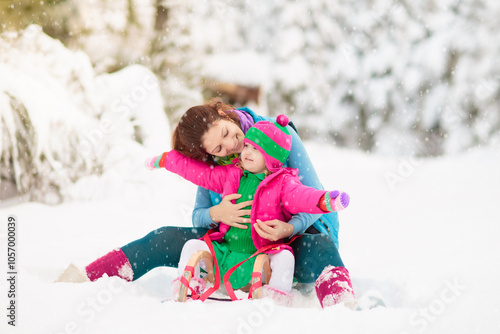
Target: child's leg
(282,266)
(196,283)
(191,247)
(280,285)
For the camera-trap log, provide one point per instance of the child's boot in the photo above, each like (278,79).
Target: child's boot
(279,297)
(334,201)
(196,283)
(334,286)
(115,263)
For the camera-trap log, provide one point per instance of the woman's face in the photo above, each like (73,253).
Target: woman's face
(223,138)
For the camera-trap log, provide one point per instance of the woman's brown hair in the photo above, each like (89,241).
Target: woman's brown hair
(195,122)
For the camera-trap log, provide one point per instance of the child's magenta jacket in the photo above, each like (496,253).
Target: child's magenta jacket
(278,196)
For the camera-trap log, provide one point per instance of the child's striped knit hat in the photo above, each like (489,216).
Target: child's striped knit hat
(272,139)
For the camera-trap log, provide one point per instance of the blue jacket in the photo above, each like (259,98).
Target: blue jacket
(298,158)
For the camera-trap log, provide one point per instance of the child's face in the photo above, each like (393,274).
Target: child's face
(252,160)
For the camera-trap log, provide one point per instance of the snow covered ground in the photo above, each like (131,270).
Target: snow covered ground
(422,233)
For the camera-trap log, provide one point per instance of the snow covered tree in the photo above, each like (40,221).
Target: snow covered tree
(394,77)
(174,58)
(58,18)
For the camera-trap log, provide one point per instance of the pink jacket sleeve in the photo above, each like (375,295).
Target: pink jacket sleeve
(297,197)
(199,173)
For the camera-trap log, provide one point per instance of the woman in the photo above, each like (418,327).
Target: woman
(214,133)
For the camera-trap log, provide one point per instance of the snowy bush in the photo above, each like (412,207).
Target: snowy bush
(61,122)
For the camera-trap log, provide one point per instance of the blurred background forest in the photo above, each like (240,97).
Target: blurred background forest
(390,77)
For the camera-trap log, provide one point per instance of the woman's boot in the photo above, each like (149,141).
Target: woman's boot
(334,286)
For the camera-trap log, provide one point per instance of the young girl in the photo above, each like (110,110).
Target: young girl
(277,194)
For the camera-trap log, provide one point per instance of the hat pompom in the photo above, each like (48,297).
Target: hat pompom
(282,120)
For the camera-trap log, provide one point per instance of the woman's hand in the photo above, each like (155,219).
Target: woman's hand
(273,229)
(229,213)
